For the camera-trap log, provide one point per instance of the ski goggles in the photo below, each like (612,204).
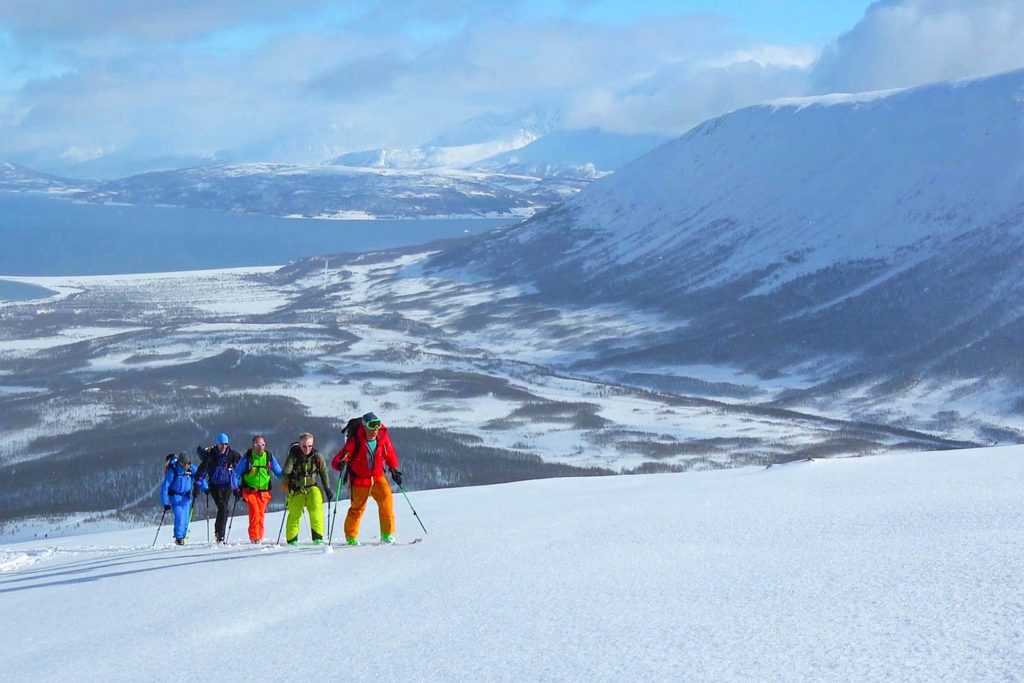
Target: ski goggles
(372,424)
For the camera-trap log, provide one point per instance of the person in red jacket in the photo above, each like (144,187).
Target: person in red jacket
(363,458)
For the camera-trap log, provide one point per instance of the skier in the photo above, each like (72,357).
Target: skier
(214,477)
(301,469)
(364,456)
(252,476)
(176,493)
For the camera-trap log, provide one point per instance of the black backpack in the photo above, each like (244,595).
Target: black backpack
(352,428)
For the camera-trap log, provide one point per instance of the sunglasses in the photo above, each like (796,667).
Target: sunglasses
(373,424)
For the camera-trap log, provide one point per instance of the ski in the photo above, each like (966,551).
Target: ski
(364,544)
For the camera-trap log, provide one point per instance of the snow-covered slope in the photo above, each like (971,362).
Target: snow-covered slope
(587,153)
(890,568)
(875,242)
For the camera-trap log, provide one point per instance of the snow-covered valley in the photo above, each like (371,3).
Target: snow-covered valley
(472,377)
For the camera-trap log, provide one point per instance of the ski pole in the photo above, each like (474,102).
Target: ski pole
(207,517)
(191,510)
(287,498)
(160,526)
(334,515)
(231,519)
(412,508)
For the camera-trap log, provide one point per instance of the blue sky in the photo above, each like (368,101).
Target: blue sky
(115,86)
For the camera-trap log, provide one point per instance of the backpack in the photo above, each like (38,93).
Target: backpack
(181,466)
(220,467)
(304,472)
(351,431)
(352,428)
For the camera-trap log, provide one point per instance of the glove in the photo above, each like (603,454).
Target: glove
(396,476)
(200,451)
(237,493)
(346,474)
(330,495)
(167,508)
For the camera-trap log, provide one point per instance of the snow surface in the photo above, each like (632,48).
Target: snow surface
(897,567)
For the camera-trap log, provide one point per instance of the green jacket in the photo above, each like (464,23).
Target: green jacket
(300,470)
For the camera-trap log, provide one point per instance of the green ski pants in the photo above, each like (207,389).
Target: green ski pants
(311,500)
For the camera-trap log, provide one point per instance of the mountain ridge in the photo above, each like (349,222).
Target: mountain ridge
(871,240)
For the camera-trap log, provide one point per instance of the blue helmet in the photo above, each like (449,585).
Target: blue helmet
(223,438)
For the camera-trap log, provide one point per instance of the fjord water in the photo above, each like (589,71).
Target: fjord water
(42,235)
(17,291)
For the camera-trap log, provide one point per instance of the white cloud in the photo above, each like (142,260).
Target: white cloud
(798,57)
(674,100)
(148,80)
(902,43)
(148,21)
(306,95)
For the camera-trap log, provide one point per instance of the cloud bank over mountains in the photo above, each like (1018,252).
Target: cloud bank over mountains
(902,43)
(118,87)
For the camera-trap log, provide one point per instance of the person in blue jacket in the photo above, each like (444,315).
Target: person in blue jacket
(252,477)
(214,476)
(176,493)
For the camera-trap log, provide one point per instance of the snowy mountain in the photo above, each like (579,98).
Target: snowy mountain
(14,178)
(496,165)
(867,250)
(890,568)
(579,153)
(474,140)
(517,128)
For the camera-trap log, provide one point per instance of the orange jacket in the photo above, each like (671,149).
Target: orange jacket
(355,454)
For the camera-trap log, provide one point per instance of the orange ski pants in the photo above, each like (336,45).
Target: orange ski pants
(257,502)
(381,493)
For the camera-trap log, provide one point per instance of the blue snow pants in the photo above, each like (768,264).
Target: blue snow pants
(181,506)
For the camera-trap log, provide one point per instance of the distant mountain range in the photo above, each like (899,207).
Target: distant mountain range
(492,166)
(862,250)
(15,178)
(460,147)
